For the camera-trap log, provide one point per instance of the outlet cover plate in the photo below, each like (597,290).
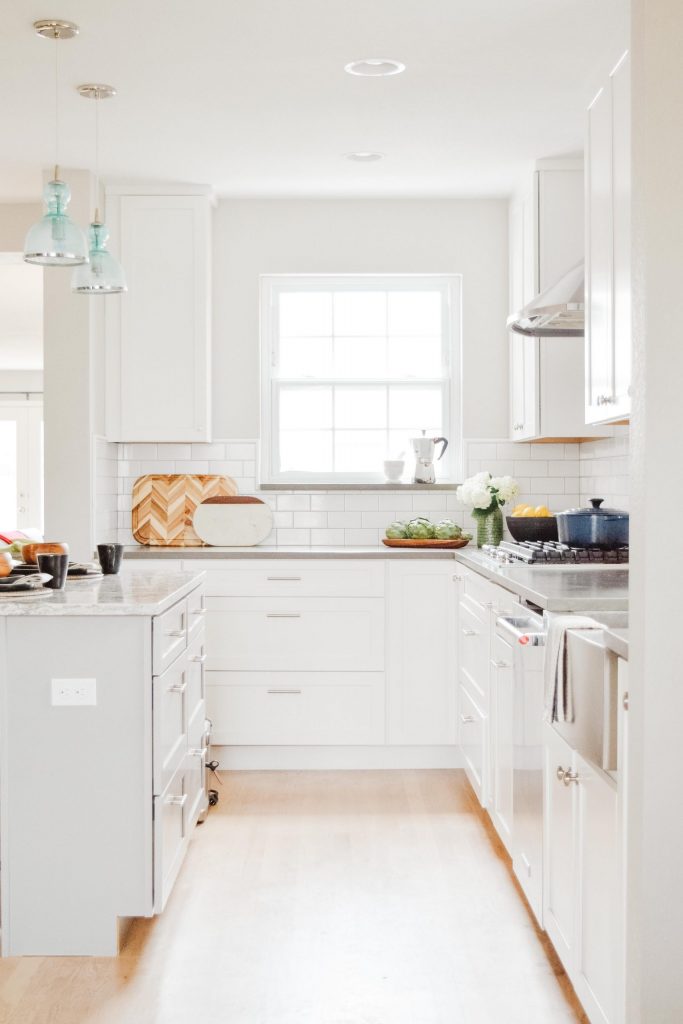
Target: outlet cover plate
(74,692)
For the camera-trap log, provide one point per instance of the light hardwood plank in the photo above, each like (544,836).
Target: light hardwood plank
(322,898)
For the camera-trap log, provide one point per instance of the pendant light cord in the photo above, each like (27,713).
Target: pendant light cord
(97,158)
(56,106)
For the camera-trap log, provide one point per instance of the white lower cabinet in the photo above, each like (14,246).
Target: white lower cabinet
(473,726)
(582,872)
(504,737)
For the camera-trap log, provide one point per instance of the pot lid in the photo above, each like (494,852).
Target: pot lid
(594,510)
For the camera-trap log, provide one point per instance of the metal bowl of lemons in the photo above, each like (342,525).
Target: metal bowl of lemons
(529,522)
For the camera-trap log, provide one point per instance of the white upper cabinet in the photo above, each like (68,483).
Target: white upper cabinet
(608,250)
(546,241)
(158,333)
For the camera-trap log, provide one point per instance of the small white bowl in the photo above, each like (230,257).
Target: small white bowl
(393,470)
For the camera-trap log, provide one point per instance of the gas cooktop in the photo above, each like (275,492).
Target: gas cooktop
(554,553)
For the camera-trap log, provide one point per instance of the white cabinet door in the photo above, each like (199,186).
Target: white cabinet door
(523,287)
(421,680)
(608,250)
(158,333)
(559,854)
(502,739)
(473,742)
(594,971)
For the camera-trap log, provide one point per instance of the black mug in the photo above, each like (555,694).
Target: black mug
(110,556)
(56,566)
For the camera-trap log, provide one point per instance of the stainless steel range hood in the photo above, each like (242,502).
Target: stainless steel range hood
(557,312)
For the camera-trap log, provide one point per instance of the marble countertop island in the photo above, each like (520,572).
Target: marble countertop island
(134,593)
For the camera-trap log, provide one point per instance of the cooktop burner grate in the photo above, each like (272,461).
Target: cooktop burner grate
(555,553)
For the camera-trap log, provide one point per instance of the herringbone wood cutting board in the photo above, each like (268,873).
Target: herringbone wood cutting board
(163,506)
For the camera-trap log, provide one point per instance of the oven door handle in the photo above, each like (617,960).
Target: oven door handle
(521,630)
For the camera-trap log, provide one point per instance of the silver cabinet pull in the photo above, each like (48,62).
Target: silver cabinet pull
(176,801)
(197,752)
(283,691)
(469,632)
(490,605)
(178,688)
(467,719)
(499,664)
(199,659)
(284,579)
(625,701)
(175,632)
(570,776)
(458,579)
(605,400)
(561,772)
(283,615)
(199,611)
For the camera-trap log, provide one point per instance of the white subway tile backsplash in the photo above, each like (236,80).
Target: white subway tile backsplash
(361,502)
(559,475)
(310,519)
(327,503)
(292,537)
(332,538)
(361,538)
(293,502)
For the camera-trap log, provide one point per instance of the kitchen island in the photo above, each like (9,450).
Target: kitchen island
(103,721)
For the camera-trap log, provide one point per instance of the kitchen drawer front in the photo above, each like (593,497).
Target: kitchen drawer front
(290,708)
(300,635)
(478,590)
(472,728)
(169,636)
(171,836)
(196,613)
(291,578)
(474,649)
(169,697)
(196,658)
(194,764)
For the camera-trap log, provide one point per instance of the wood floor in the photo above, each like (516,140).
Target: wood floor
(321,898)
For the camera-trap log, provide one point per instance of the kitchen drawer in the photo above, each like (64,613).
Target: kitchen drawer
(169,636)
(169,716)
(196,613)
(196,658)
(194,764)
(474,648)
(295,634)
(478,590)
(171,836)
(289,708)
(472,728)
(291,578)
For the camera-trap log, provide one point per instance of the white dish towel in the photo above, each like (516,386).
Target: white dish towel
(559,703)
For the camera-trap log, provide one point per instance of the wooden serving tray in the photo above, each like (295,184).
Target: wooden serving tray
(164,504)
(405,542)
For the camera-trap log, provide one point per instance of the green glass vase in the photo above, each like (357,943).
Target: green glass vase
(490,527)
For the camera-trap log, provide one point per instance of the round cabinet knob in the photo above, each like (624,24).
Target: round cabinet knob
(570,776)
(561,772)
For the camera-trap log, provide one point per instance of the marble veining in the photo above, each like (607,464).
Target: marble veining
(135,593)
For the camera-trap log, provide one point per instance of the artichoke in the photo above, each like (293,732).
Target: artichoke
(447,530)
(396,531)
(420,529)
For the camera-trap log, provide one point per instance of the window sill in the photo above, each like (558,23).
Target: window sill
(441,486)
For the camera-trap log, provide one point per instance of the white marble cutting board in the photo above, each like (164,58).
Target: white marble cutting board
(232,521)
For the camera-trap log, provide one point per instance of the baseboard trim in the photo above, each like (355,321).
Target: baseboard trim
(265,758)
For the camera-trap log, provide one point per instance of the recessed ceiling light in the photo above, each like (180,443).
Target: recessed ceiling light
(375,67)
(364,157)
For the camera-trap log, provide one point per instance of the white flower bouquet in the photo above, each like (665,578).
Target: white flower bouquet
(485,495)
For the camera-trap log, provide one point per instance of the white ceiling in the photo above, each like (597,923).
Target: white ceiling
(250,96)
(21,314)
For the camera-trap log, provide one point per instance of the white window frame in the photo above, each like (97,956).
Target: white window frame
(28,415)
(450,286)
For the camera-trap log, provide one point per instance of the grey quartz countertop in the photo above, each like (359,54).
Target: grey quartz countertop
(580,588)
(135,593)
(275,551)
(616,640)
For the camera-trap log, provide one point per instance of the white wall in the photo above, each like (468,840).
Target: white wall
(271,236)
(655,842)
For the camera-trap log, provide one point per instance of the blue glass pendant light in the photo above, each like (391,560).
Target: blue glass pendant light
(102,274)
(55,241)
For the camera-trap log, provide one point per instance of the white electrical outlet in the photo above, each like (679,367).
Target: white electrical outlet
(74,692)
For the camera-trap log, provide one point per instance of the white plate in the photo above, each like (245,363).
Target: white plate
(228,525)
